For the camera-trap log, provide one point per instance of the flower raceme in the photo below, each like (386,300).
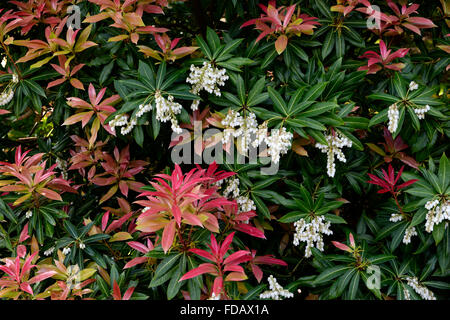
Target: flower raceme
(378,61)
(281,23)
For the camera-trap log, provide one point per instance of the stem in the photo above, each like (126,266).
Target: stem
(397,203)
(180,236)
(5,48)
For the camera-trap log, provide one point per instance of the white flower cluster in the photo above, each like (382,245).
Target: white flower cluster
(119,120)
(129,126)
(232,191)
(423,291)
(395,217)
(66,251)
(4,62)
(214,297)
(393,115)
(420,112)
(245,204)
(335,143)
(406,294)
(437,212)
(7,95)
(413,86)
(276,291)
(49,251)
(247,129)
(232,188)
(232,120)
(311,233)
(81,245)
(279,142)
(207,78)
(166,109)
(143,108)
(244,129)
(410,231)
(29,214)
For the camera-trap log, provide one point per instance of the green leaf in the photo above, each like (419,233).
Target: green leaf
(293,216)
(334,218)
(229,47)
(262,208)
(255,91)
(438,232)
(444,172)
(299,52)
(254,292)
(212,38)
(355,142)
(35,88)
(157,281)
(166,264)
(397,82)
(384,97)
(174,285)
(353,287)
(330,274)
(71,229)
(146,74)
(315,91)
(204,47)
(415,120)
(381,116)
(328,44)
(6,211)
(356,122)
(390,228)
(295,99)
(381,258)
(343,281)
(138,134)
(278,102)
(160,76)
(306,122)
(240,86)
(106,71)
(270,56)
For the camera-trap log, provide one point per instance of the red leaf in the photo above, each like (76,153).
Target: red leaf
(168,235)
(201,269)
(341,246)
